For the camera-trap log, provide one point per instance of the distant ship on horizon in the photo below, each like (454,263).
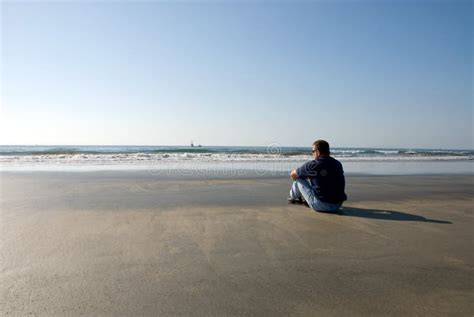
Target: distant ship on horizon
(192,144)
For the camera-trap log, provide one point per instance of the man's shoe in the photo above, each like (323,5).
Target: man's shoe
(299,201)
(293,201)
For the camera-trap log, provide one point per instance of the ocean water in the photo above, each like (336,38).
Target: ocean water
(232,159)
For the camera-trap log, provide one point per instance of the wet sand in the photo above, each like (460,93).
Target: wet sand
(130,243)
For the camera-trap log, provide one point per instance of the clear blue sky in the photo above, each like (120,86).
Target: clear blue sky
(365,74)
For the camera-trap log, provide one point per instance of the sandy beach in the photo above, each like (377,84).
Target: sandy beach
(130,243)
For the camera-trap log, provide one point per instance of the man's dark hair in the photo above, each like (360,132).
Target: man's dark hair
(322,146)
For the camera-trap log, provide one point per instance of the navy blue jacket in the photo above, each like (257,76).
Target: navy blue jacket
(327,178)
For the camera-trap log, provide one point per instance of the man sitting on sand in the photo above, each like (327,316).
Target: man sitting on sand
(319,183)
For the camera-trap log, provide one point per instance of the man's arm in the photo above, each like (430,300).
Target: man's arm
(304,171)
(294,175)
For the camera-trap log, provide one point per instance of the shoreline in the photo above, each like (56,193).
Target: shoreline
(261,169)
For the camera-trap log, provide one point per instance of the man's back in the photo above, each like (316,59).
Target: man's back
(327,178)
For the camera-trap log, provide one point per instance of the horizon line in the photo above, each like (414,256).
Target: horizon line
(267,145)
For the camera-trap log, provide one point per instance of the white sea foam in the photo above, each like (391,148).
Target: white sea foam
(234,159)
(138,158)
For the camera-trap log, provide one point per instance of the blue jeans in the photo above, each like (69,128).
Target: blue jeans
(303,188)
